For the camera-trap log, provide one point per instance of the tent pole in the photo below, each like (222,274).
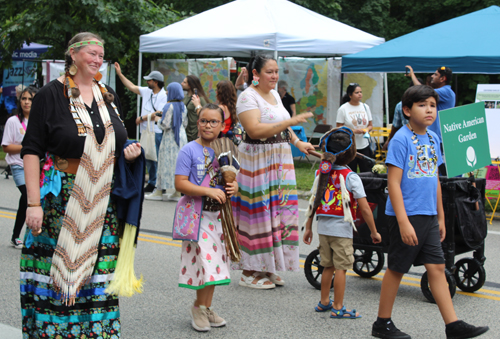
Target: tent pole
(278,62)
(138,96)
(386,95)
(341,86)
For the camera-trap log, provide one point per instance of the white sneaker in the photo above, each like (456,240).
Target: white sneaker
(176,196)
(156,195)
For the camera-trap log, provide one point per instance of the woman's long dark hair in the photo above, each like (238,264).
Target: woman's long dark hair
(348,92)
(193,83)
(256,63)
(226,95)
(32,91)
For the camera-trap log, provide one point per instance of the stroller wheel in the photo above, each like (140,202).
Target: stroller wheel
(368,263)
(313,270)
(470,274)
(426,290)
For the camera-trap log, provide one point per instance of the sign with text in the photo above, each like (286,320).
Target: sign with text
(21,72)
(489,95)
(465,138)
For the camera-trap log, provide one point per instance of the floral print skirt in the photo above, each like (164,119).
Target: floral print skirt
(94,314)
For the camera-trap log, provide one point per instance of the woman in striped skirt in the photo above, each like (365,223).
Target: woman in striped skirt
(265,207)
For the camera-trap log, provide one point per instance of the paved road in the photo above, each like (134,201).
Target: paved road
(285,312)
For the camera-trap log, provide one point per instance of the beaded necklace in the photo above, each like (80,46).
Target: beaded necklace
(420,151)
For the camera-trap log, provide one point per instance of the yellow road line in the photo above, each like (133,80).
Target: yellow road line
(160,238)
(477,294)
(8,213)
(7,216)
(159,242)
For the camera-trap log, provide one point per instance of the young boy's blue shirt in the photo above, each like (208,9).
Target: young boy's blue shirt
(418,182)
(337,227)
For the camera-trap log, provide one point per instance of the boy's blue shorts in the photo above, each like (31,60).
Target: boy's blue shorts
(428,251)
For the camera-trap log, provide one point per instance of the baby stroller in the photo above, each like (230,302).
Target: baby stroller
(465,231)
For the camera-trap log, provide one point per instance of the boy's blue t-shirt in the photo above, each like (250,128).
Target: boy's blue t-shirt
(418,183)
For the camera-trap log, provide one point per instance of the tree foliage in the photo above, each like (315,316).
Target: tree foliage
(54,22)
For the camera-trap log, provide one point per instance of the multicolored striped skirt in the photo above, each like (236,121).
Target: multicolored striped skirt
(266,209)
(94,314)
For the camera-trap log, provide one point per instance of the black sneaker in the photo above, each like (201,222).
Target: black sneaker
(149,188)
(461,330)
(387,330)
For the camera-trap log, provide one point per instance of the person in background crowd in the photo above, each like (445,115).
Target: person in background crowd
(357,116)
(399,119)
(173,122)
(226,96)
(287,100)
(154,99)
(15,130)
(194,100)
(241,80)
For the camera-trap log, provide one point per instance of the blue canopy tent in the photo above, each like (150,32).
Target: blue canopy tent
(467,44)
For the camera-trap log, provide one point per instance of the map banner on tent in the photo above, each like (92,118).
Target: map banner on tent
(315,85)
(490,95)
(308,84)
(209,71)
(21,72)
(465,138)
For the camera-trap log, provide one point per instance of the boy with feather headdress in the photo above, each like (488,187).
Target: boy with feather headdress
(337,193)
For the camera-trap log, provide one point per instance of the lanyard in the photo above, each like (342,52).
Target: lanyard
(22,123)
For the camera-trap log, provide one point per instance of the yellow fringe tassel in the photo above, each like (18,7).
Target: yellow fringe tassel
(125,283)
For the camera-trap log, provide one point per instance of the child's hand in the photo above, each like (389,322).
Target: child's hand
(216,194)
(376,238)
(308,237)
(408,234)
(231,188)
(442,230)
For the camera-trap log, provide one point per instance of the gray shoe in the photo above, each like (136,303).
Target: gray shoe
(199,317)
(156,195)
(214,319)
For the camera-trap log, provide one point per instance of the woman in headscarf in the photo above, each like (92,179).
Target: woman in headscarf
(173,122)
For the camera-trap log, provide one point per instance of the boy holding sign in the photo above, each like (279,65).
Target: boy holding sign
(416,216)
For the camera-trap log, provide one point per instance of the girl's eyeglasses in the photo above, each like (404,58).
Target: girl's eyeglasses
(213,123)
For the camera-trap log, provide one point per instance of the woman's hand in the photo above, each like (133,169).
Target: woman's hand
(196,100)
(308,237)
(300,118)
(34,218)
(132,151)
(216,194)
(118,69)
(376,238)
(305,147)
(358,131)
(231,188)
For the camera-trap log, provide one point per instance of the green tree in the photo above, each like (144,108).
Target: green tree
(54,22)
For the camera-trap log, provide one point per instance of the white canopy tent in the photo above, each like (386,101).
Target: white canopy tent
(243,27)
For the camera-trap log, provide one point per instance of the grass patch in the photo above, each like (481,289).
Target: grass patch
(304,174)
(2,155)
